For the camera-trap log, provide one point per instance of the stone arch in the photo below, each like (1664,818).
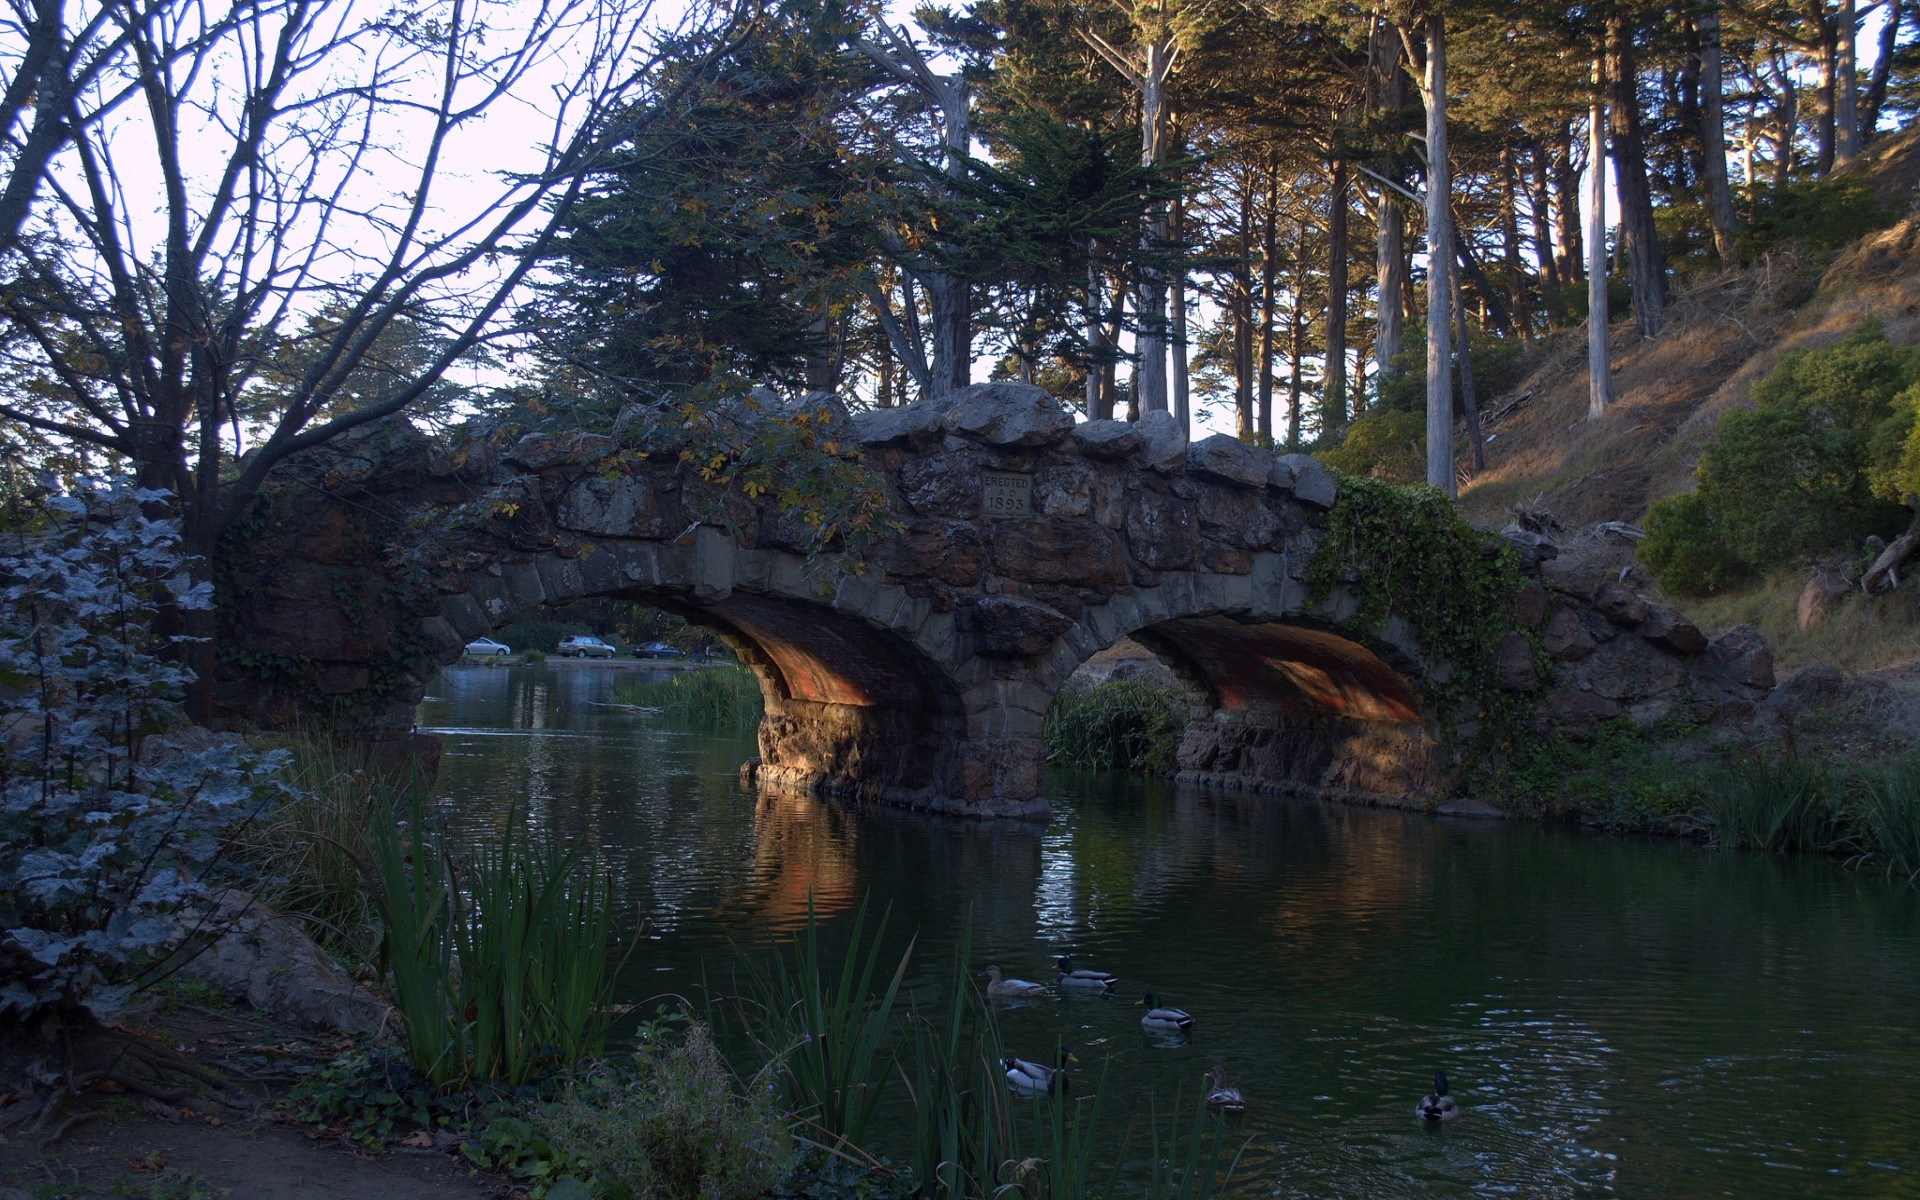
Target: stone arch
(1300,700)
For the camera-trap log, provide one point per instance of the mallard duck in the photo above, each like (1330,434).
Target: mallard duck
(1012,988)
(1160,1019)
(1220,1097)
(1084,977)
(1439,1106)
(1032,1079)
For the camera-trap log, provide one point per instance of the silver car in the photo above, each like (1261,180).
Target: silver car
(583,647)
(486,646)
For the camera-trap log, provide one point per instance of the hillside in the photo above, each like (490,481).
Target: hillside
(1725,330)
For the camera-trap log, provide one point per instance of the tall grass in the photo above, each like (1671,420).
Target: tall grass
(1119,725)
(722,697)
(1785,805)
(1891,801)
(500,964)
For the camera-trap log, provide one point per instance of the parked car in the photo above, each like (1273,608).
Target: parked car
(583,647)
(655,650)
(486,646)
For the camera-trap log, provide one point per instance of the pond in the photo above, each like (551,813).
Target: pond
(1626,1017)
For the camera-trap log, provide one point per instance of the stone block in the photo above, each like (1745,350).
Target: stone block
(1161,530)
(1736,661)
(1306,479)
(1108,440)
(599,569)
(1235,592)
(1230,460)
(1620,604)
(942,485)
(640,565)
(1513,666)
(752,569)
(1579,714)
(464,614)
(1065,550)
(789,578)
(1530,606)
(1008,414)
(1665,626)
(560,578)
(1010,626)
(524,589)
(439,633)
(1165,448)
(712,563)
(1064,490)
(622,506)
(912,423)
(1565,639)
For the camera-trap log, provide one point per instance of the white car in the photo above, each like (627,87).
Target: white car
(486,646)
(584,647)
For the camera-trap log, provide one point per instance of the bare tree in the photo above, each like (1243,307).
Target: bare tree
(228,173)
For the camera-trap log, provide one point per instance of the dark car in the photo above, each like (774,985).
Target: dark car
(655,650)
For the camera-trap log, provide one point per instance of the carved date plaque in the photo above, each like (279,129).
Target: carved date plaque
(1005,494)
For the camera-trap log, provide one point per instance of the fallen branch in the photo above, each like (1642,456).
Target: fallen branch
(1884,575)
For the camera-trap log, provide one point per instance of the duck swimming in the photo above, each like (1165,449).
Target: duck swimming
(1011,988)
(1438,1106)
(1083,977)
(1161,1019)
(1220,1097)
(1032,1079)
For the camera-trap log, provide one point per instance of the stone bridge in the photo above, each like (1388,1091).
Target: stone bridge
(1020,543)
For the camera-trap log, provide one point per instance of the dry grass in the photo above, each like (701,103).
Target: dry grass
(1860,633)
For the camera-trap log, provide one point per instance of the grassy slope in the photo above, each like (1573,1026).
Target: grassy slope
(1725,330)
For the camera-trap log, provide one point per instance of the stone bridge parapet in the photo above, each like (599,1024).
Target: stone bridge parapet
(1021,543)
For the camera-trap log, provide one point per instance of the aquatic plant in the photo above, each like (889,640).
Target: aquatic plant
(1891,803)
(500,964)
(1766,805)
(1117,725)
(721,697)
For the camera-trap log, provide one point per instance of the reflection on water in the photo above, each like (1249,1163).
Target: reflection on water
(1624,1018)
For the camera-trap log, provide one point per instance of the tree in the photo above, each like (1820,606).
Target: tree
(269,139)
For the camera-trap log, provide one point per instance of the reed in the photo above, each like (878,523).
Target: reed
(1891,801)
(726,697)
(1785,805)
(1119,725)
(501,964)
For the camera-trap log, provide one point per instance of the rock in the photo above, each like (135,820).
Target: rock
(268,962)
(1228,458)
(1108,440)
(942,485)
(1161,531)
(1010,626)
(1579,714)
(1165,443)
(951,551)
(895,426)
(538,451)
(1736,660)
(1513,667)
(1530,606)
(1008,414)
(1809,687)
(374,456)
(621,506)
(1565,639)
(1628,669)
(1620,604)
(1306,477)
(828,415)
(1665,626)
(1070,550)
(1818,596)
(1535,549)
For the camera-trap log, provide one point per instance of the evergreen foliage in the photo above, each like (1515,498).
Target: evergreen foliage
(1117,725)
(1815,465)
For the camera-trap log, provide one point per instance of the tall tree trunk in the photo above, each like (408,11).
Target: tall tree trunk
(1333,403)
(1566,206)
(1439,263)
(1240,305)
(1390,219)
(1298,325)
(1599,371)
(1463,366)
(883,371)
(1713,135)
(1269,283)
(1686,85)
(1510,243)
(1639,242)
(1826,77)
(1876,94)
(1151,306)
(1846,112)
(1099,396)
(1786,124)
(1181,401)
(1543,248)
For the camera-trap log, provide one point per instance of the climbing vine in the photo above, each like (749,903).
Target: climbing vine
(1406,552)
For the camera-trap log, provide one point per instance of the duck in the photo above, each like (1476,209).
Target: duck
(1220,1097)
(1032,1079)
(1161,1019)
(1438,1106)
(1011,988)
(1084,977)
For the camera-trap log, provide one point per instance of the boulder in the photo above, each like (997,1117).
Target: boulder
(1580,714)
(1513,666)
(896,426)
(1665,626)
(538,451)
(1008,414)
(1227,458)
(267,961)
(1818,596)
(1108,440)
(1011,626)
(1306,477)
(1565,639)
(1165,443)
(1736,661)
(1620,604)
(824,411)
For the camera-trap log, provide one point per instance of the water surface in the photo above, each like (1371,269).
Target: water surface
(1619,1017)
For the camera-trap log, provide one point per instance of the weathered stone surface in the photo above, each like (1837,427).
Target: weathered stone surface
(1306,478)
(1059,550)
(1513,669)
(1008,414)
(1530,607)
(1227,458)
(897,426)
(538,451)
(1822,590)
(1812,685)
(1736,660)
(1620,604)
(1165,443)
(1534,549)
(946,485)
(266,961)
(1108,440)
(373,457)
(954,552)
(1626,668)
(1010,627)
(1565,638)
(1579,714)
(1065,490)
(827,414)
(1160,531)
(1664,625)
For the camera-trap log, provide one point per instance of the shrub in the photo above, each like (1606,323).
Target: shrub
(109,824)
(725,697)
(667,1126)
(1119,725)
(1809,467)
(1389,444)
(1814,214)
